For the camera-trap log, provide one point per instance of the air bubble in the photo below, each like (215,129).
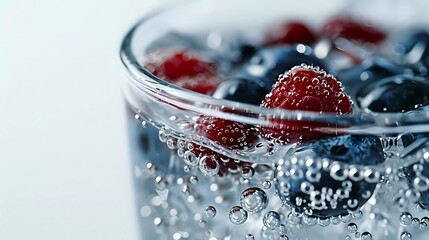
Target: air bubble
(162,136)
(237,215)
(209,166)
(190,158)
(254,200)
(324,222)
(247,172)
(271,220)
(352,227)
(161,183)
(406,236)
(193,179)
(171,143)
(405,218)
(366,236)
(210,211)
(266,184)
(249,237)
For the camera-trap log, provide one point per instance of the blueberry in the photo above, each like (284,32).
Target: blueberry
(241,90)
(414,50)
(309,186)
(394,94)
(268,63)
(369,71)
(146,146)
(420,184)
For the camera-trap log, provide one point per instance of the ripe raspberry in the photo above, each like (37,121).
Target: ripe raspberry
(229,134)
(185,69)
(353,30)
(309,89)
(292,32)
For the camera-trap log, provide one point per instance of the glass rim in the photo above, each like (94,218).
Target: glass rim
(358,122)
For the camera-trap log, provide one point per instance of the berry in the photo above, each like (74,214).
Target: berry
(420,183)
(309,89)
(229,134)
(394,94)
(268,63)
(325,191)
(369,71)
(240,90)
(291,32)
(353,30)
(185,69)
(414,50)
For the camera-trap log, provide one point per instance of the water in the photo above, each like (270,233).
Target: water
(181,195)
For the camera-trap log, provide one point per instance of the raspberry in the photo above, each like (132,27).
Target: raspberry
(229,134)
(353,30)
(309,89)
(185,69)
(292,32)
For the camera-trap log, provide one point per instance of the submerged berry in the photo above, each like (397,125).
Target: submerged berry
(183,68)
(334,189)
(309,89)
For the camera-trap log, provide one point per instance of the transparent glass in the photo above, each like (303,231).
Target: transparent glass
(178,198)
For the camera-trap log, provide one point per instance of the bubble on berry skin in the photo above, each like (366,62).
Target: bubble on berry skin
(210,211)
(237,215)
(254,200)
(209,165)
(271,220)
(190,158)
(247,172)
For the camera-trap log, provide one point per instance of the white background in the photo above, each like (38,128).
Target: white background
(64,172)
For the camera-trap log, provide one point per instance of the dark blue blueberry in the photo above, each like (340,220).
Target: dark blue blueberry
(241,90)
(307,185)
(369,71)
(145,145)
(394,94)
(413,49)
(268,63)
(410,174)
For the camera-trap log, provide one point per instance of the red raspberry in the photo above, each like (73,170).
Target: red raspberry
(184,68)
(290,33)
(304,88)
(353,30)
(229,134)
